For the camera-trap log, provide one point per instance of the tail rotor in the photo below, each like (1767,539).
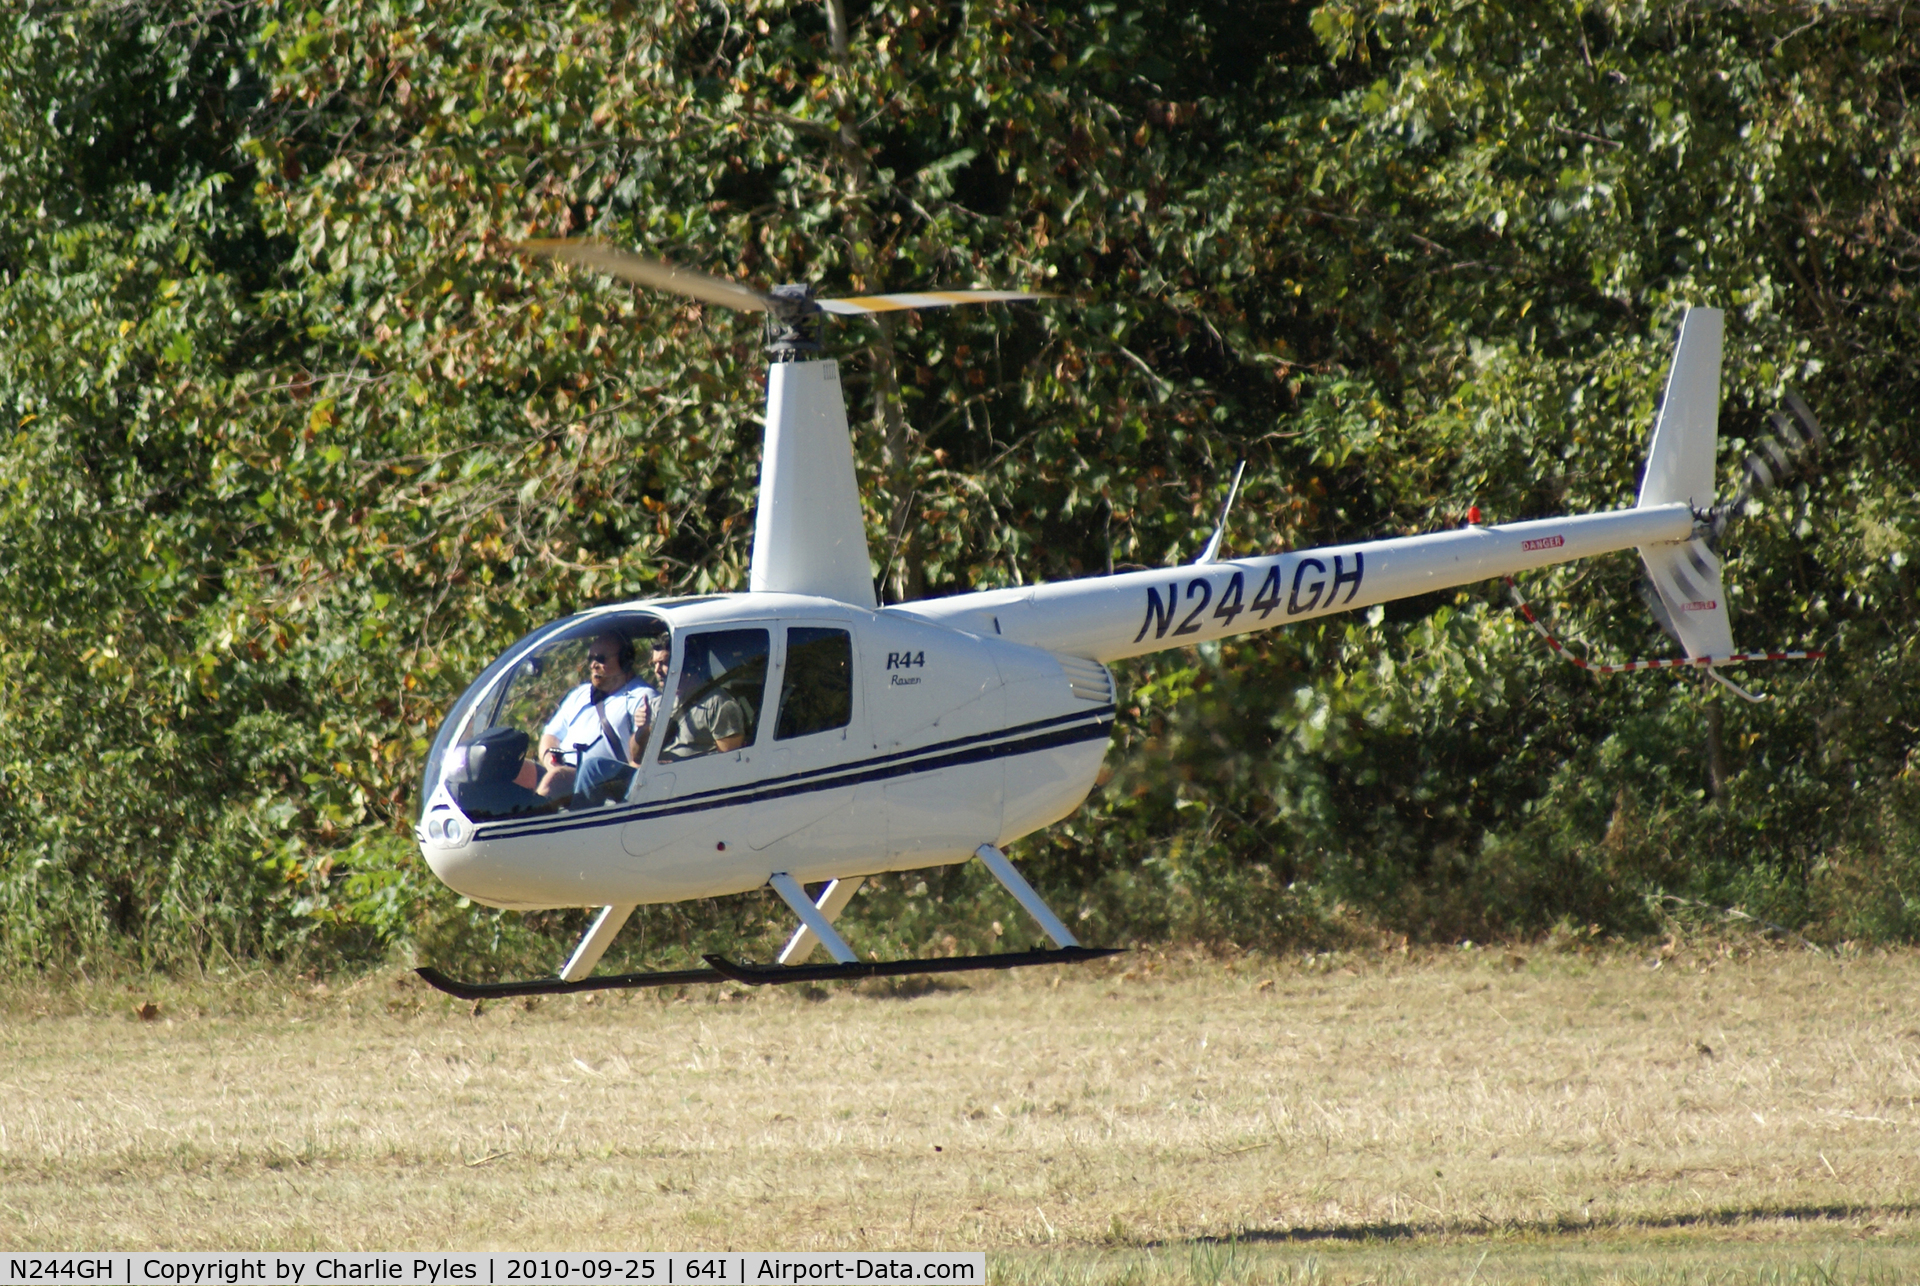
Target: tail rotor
(1688,578)
(1683,587)
(1790,450)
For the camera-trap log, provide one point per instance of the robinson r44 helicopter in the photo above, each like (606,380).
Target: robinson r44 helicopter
(804,734)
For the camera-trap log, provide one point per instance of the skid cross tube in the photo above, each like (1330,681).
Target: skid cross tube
(1003,871)
(585,956)
(810,915)
(833,900)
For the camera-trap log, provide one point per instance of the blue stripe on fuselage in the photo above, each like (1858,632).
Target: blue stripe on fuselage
(1096,724)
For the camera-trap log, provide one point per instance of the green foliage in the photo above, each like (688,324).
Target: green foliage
(298,440)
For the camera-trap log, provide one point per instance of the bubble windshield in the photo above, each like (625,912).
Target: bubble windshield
(557,723)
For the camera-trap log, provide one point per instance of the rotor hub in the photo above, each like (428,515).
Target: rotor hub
(793,323)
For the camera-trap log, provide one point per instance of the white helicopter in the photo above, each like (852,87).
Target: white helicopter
(803,734)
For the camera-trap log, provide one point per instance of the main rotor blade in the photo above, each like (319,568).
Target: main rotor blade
(651,273)
(860,304)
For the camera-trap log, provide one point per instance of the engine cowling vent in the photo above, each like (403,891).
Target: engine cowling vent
(1091,681)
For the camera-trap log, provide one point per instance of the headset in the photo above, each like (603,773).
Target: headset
(626,653)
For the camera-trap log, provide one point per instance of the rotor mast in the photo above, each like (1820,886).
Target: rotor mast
(809,535)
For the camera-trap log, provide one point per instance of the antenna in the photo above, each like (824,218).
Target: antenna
(1220,527)
(899,537)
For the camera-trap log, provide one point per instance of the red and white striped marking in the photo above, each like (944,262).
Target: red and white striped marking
(1671,663)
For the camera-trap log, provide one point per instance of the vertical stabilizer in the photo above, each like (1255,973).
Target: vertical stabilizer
(1680,457)
(809,536)
(1692,600)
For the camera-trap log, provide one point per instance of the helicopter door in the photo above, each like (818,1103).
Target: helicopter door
(814,729)
(707,744)
(719,694)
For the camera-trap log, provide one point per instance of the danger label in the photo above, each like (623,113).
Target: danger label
(1544,542)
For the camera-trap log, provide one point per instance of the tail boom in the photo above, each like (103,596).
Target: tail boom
(1108,618)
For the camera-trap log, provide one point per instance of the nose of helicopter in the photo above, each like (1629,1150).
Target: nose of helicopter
(525,875)
(461,869)
(479,872)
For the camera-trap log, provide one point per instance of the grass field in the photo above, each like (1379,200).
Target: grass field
(1677,1115)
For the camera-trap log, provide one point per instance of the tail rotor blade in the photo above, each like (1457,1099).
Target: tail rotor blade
(1782,462)
(1650,594)
(651,273)
(1776,457)
(861,305)
(1804,414)
(1788,432)
(1781,454)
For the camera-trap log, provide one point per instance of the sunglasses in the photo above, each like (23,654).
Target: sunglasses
(600,658)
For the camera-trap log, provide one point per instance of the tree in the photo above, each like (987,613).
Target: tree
(307,440)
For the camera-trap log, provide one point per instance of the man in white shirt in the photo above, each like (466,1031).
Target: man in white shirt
(592,736)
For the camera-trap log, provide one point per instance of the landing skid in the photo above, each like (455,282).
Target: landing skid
(763,975)
(724,970)
(816,920)
(560,986)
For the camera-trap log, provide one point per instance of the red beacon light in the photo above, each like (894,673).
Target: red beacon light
(1473,515)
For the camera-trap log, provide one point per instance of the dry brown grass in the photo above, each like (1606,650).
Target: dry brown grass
(1338,1117)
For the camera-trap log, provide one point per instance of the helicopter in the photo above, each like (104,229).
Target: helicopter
(803,734)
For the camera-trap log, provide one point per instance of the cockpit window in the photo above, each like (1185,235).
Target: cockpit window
(562,726)
(816,693)
(723,681)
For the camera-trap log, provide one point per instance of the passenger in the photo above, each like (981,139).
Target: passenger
(598,724)
(662,660)
(713,721)
(659,663)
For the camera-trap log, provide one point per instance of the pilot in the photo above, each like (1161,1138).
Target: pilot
(713,721)
(598,723)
